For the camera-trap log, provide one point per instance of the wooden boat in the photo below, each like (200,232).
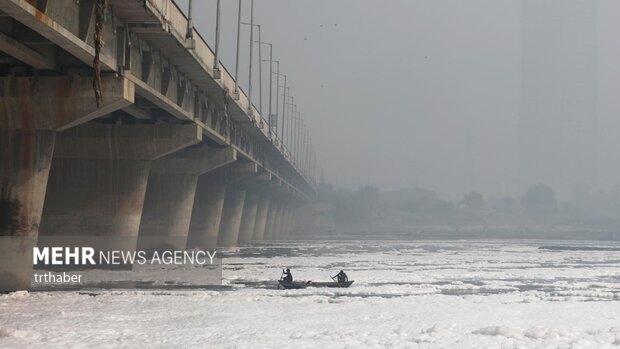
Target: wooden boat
(304,284)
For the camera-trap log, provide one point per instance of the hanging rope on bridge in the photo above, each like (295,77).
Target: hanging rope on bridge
(100,7)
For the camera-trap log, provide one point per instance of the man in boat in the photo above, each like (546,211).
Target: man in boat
(287,276)
(342,277)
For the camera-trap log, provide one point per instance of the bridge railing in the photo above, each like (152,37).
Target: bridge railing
(175,21)
(172,15)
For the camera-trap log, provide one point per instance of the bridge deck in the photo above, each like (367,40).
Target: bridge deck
(154,31)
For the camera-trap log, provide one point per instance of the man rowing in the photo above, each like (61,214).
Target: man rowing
(342,277)
(287,275)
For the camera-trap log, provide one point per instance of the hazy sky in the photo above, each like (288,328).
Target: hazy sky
(404,93)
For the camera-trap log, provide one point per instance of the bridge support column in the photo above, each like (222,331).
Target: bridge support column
(207,211)
(170,195)
(286,217)
(261,219)
(271,219)
(167,211)
(248,219)
(218,206)
(31,111)
(25,158)
(98,180)
(292,225)
(277,226)
(231,216)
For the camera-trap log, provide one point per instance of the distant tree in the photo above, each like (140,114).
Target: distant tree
(325,192)
(442,209)
(473,200)
(355,206)
(368,194)
(412,200)
(509,204)
(539,200)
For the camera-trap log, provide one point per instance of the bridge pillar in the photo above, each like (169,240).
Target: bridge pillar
(207,211)
(248,219)
(170,194)
(282,229)
(262,212)
(255,185)
(286,231)
(231,217)
(216,217)
(32,109)
(25,158)
(290,224)
(277,226)
(271,219)
(98,180)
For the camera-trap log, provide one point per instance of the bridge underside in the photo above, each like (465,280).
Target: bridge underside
(171,159)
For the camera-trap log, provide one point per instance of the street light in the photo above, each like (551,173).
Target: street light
(289,125)
(260,66)
(278,98)
(270,68)
(251,50)
(190,27)
(271,61)
(289,122)
(236,92)
(297,135)
(284,102)
(298,140)
(302,146)
(216,64)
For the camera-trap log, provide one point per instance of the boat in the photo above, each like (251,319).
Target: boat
(290,285)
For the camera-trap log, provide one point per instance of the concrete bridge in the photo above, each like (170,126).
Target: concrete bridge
(175,156)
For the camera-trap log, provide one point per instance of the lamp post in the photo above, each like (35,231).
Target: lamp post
(285,98)
(277,73)
(190,27)
(216,63)
(236,92)
(298,141)
(304,134)
(294,133)
(289,122)
(299,138)
(306,151)
(260,66)
(285,115)
(251,51)
(303,146)
(284,110)
(270,68)
(302,130)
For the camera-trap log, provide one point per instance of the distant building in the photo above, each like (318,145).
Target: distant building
(558,118)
